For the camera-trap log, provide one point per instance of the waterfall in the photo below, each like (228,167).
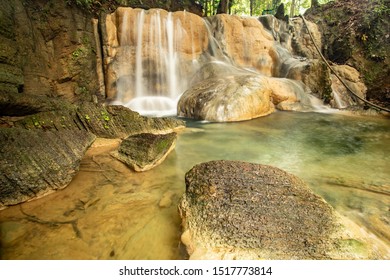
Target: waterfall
(156,56)
(148,62)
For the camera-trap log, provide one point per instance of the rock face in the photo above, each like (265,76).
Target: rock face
(293,35)
(144,151)
(25,104)
(364,41)
(352,78)
(246,42)
(239,210)
(36,162)
(48,48)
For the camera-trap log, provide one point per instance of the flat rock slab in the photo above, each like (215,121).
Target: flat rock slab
(240,210)
(109,121)
(144,151)
(36,162)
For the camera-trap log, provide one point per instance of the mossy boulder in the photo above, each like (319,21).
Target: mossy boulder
(144,151)
(37,162)
(109,121)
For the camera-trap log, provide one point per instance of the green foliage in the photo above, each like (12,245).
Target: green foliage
(257,7)
(373,31)
(382,8)
(87,4)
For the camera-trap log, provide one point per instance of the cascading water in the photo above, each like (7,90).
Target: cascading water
(151,68)
(158,54)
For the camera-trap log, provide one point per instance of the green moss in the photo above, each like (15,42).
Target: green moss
(78,53)
(354,245)
(163,145)
(105,116)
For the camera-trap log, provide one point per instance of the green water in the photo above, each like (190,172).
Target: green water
(121,214)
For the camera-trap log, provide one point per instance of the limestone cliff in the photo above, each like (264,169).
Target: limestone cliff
(47,48)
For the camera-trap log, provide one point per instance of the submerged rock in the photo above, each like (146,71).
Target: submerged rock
(36,162)
(144,151)
(239,210)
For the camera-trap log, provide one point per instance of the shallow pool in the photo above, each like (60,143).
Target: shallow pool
(110,212)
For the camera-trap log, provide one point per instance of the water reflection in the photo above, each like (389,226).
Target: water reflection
(110,212)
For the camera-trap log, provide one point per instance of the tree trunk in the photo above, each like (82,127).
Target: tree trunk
(223,7)
(314,3)
(292,9)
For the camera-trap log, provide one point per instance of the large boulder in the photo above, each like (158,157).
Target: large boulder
(41,152)
(36,162)
(224,99)
(240,210)
(224,93)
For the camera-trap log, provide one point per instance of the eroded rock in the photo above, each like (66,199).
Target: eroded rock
(144,151)
(36,162)
(240,210)
(225,94)
(110,121)
(246,42)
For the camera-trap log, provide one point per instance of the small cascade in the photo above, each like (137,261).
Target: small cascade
(339,103)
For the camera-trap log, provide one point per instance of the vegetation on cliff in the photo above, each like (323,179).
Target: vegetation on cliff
(356,33)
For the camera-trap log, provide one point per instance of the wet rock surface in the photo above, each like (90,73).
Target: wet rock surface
(233,98)
(240,210)
(104,121)
(40,153)
(144,151)
(36,162)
